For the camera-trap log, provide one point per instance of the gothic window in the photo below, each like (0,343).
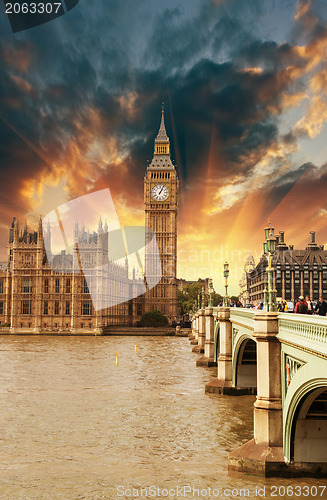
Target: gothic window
(1,286)
(26,307)
(1,307)
(68,285)
(27,258)
(84,287)
(46,308)
(86,308)
(56,307)
(46,285)
(26,285)
(57,285)
(67,310)
(87,259)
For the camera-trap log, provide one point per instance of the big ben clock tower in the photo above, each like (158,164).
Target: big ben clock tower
(161,206)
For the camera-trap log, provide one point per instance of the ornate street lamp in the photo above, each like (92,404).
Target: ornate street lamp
(269,248)
(202,298)
(226,274)
(210,293)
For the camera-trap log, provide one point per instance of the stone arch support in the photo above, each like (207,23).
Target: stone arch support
(239,343)
(216,341)
(294,398)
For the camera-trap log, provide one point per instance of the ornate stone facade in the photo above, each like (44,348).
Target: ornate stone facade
(296,272)
(42,296)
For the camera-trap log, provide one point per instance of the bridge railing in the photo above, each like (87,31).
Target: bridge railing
(308,332)
(244,317)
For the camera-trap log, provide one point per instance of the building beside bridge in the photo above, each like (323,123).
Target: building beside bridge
(296,272)
(203,282)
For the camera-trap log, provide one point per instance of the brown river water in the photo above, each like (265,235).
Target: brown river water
(76,426)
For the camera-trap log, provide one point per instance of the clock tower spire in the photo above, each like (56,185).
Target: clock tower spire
(161,206)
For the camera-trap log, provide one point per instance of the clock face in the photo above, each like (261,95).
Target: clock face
(160,192)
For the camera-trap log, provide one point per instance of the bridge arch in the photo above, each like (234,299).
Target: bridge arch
(305,429)
(216,341)
(245,362)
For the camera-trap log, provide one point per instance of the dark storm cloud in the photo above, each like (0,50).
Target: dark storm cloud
(98,53)
(287,181)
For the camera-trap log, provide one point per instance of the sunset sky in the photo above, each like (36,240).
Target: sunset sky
(244,84)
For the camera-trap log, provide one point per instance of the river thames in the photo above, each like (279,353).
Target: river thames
(76,426)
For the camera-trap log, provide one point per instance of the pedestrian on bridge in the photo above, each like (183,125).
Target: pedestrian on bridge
(282,306)
(321,307)
(301,306)
(309,304)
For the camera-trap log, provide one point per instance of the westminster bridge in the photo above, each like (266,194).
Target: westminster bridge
(282,358)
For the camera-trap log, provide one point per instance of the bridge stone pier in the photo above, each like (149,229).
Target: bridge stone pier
(199,348)
(209,340)
(195,329)
(282,358)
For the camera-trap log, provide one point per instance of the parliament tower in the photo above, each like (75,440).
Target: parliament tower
(161,207)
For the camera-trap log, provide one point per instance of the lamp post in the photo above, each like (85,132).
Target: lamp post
(226,274)
(210,293)
(269,248)
(202,298)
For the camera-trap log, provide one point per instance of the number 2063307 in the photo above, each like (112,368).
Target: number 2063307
(298,491)
(32,8)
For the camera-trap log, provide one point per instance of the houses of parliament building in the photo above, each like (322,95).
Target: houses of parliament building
(84,291)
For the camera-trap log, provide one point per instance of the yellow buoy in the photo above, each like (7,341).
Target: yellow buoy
(135,347)
(116,358)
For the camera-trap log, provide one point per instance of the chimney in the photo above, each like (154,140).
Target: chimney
(281,242)
(313,245)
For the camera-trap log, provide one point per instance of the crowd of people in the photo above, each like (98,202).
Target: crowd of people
(303,306)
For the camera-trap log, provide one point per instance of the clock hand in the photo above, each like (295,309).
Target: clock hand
(161,190)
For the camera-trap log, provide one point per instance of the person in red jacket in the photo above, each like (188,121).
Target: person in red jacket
(301,306)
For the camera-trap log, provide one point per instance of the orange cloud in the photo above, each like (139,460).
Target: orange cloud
(18,55)
(314,119)
(302,8)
